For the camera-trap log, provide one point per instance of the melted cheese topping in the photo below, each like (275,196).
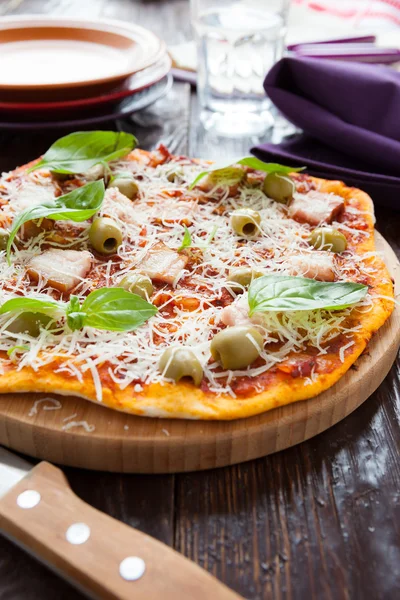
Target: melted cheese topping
(189,308)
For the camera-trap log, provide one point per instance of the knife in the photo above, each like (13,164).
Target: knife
(101,556)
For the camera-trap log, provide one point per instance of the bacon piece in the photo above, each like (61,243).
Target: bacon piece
(181,212)
(62,269)
(234,314)
(316,265)
(30,195)
(117,205)
(316,207)
(162,263)
(237,313)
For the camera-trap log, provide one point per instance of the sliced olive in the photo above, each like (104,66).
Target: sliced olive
(105,235)
(236,347)
(177,363)
(137,284)
(3,238)
(245,222)
(328,238)
(126,185)
(29,323)
(241,277)
(175,173)
(278,187)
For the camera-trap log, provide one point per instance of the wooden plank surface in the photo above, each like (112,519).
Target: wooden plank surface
(318,521)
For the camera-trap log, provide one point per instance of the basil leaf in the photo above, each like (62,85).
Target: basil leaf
(78,205)
(187,239)
(20,349)
(284,293)
(212,235)
(75,317)
(113,309)
(79,151)
(225,170)
(34,305)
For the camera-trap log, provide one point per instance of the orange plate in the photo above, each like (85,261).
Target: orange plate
(50,58)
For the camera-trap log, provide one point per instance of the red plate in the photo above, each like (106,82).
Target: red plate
(135,84)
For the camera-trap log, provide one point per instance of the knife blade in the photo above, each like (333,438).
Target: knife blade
(98,554)
(12,470)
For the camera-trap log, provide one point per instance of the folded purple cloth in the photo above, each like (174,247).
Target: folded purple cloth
(350,114)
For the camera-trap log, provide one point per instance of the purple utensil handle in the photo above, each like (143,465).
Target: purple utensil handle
(357,54)
(358,39)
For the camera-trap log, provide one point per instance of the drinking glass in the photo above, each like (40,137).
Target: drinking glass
(238,41)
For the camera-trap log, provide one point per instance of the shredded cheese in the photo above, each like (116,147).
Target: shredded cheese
(343,350)
(70,417)
(88,428)
(158,215)
(54,405)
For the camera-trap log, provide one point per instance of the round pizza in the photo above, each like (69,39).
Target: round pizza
(166,286)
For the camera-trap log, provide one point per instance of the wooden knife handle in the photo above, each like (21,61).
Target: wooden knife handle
(97,552)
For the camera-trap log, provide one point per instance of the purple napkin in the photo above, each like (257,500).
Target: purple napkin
(350,114)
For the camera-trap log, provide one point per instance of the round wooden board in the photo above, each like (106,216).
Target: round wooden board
(129,444)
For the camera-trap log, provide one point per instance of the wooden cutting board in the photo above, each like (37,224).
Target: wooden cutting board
(123,443)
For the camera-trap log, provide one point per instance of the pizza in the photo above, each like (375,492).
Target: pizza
(163,286)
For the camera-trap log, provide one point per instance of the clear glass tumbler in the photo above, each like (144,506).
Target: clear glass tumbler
(238,41)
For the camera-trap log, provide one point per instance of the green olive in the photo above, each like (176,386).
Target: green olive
(105,235)
(236,347)
(245,222)
(3,238)
(175,173)
(177,363)
(328,238)
(29,323)
(241,277)
(227,175)
(278,187)
(137,284)
(126,185)
(98,171)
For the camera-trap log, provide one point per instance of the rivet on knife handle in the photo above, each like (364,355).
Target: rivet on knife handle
(108,559)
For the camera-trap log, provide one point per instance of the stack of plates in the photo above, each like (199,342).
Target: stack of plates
(64,72)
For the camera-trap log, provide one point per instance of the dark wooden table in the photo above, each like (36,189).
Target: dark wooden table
(321,520)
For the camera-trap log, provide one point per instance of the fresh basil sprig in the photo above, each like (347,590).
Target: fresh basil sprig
(78,205)
(33,305)
(79,151)
(111,309)
(186,241)
(227,171)
(285,292)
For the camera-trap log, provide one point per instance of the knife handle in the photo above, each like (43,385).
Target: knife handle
(106,558)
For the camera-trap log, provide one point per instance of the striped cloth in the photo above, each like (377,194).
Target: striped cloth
(365,13)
